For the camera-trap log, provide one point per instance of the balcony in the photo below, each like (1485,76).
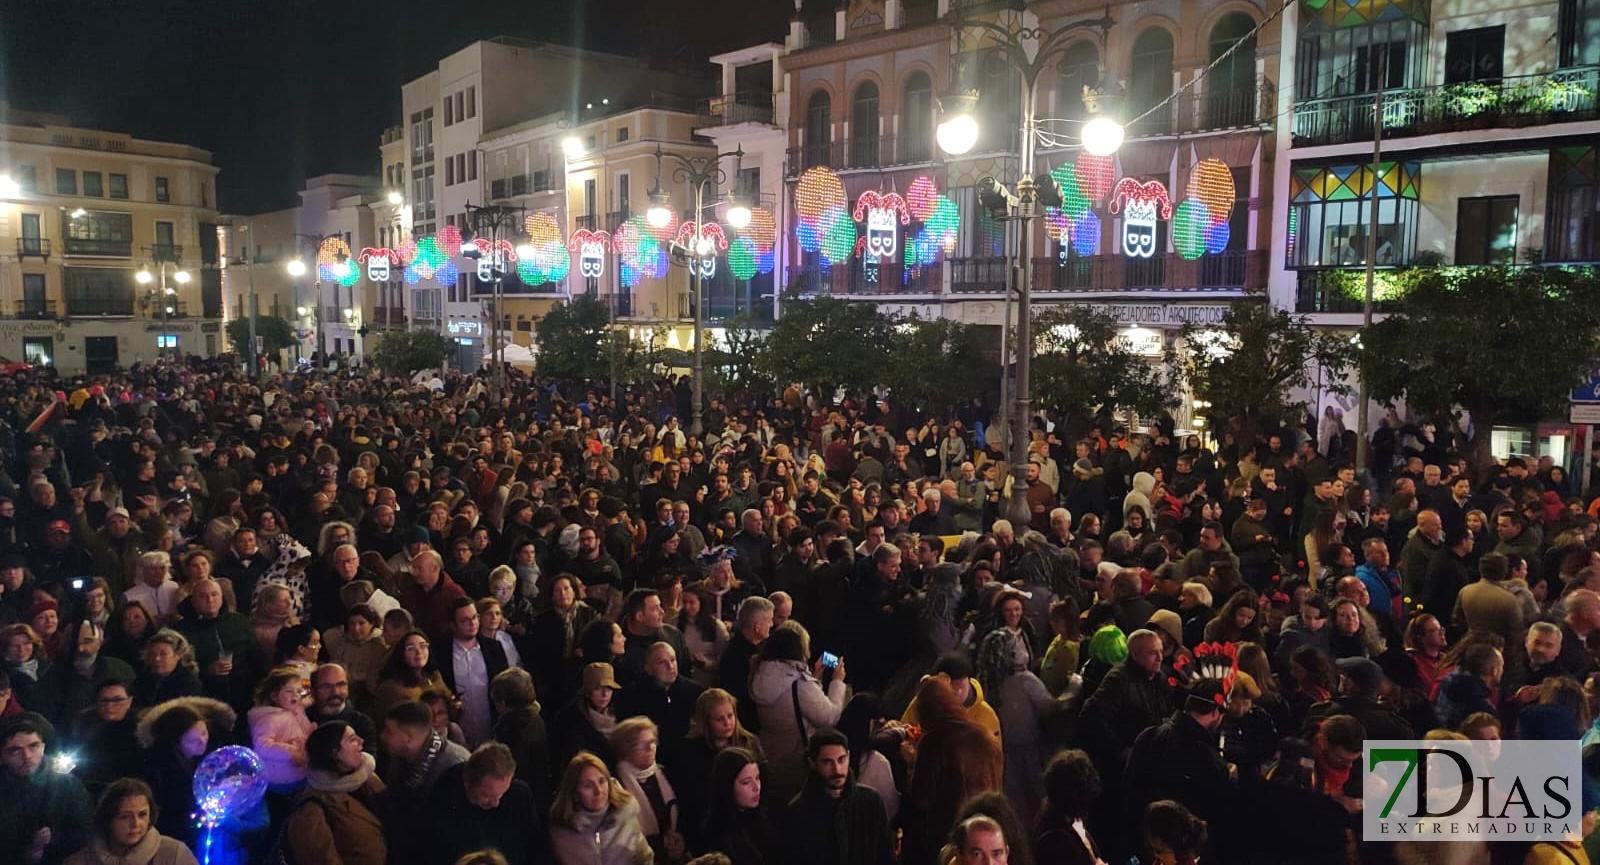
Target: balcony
(98,248)
(615,218)
(167,252)
(87,303)
(35,308)
(732,108)
(36,247)
(1562,96)
(1230,271)
(882,151)
(1344,289)
(587,220)
(388,316)
(850,279)
(757,312)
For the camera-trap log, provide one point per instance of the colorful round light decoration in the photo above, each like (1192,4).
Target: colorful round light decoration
(818,190)
(1095,175)
(1073,201)
(762,230)
(541,228)
(447,274)
(450,240)
(742,257)
(1211,183)
(1086,234)
(1057,225)
(922,198)
(1189,224)
(1217,237)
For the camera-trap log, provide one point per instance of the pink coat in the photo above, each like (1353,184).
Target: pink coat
(279,737)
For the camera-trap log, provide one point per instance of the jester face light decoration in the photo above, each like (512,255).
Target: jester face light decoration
(881,212)
(591,259)
(378,269)
(380,262)
(1141,204)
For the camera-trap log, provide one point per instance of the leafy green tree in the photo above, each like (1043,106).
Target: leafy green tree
(403,352)
(1082,364)
(276,334)
(736,365)
(937,362)
(571,339)
(826,343)
(1255,368)
(1502,344)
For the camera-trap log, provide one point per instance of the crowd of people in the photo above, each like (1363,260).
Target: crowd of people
(544,623)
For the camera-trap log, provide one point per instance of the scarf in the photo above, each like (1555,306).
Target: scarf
(603,722)
(419,773)
(29,668)
(141,853)
(634,780)
(324,781)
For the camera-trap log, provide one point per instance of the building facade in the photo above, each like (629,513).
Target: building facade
(1168,231)
(83,213)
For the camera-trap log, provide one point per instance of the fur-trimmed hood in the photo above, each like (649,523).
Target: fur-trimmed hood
(216,713)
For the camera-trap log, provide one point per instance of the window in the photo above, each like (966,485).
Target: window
(819,129)
(164,239)
(864,126)
(34,302)
(999,112)
(472,101)
(94,184)
(99,234)
(119,185)
(1572,215)
(1474,55)
(1080,68)
(99,291)
(26,177)
(589,197)
(624,195)
(163,192)
(1486,230)
(1150,80)
(622,134)
(449,115)
(166,340)
(588,143)
(1578,30)
(461,105)
(1231,85)
(916,119)
(1329,219)
(449,172)
(66,181)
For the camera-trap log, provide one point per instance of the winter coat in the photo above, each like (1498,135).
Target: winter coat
(614,840)
(1460,695)
(851,830)
(279,736)
(170,774)
(332,822)
(792,705)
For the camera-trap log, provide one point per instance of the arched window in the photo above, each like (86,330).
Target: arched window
(1080,68)
(1150,80)
(819,129)
(916,119)
(1231,84)
(864,126)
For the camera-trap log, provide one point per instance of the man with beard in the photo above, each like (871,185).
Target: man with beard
(330,701)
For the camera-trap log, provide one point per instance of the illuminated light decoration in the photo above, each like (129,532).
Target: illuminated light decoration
(817,191)
(550,261)
(1211,183)
(944,223)
(1094,174)
(1189,224)
(541,228)
(1057,225)
(407,251)
(922,197)
(332,252)
(1073,201)
(881,211)
(447,274)
(838,235)
(1086,234)
(380,262)
(411,276)
(808,235)
(640,249)
(766,261)
(762,230)
(1217,237)
(449,239)
(1141,205)
(691,233)
(591,246)
(742,257)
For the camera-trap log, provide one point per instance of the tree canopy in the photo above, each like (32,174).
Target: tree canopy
(1082,364)
(403,352)
(1258,366)
(571,339)
(276,334)
(1503,344)
(827,343)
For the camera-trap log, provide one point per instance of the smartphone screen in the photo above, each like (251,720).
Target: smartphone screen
(829,659)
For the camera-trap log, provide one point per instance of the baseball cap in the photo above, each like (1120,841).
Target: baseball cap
(118,512)
(60,526)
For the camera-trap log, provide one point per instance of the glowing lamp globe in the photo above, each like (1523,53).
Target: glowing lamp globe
(738,215)
(659,216)
(341,269)
(1102,136)
(145,277)
(958,134)
(296,267)
(525,251)
(182,277)
(9,188)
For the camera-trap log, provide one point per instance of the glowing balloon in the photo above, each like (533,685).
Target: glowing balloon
(229,781)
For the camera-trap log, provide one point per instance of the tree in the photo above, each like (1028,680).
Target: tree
(1501,344)
(736,366)
(276,334)
(1256,368)
(403,352)
(937,362)
(1082,364)
(826,344)
(571,339)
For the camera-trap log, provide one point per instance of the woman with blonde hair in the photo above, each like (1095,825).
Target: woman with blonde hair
(635,742)
(714,729)
(594,821)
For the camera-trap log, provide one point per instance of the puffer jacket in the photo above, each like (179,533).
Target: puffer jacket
(279,736)
(787,697)
(615,839)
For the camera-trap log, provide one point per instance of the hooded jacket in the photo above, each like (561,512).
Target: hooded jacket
(786,696)
(331,821)
(153,849)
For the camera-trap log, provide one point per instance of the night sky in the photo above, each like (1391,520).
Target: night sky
(281,90)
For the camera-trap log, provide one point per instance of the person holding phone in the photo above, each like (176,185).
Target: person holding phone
(793,703)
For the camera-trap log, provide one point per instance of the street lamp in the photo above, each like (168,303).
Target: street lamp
(1031,51)
(495,222)
(9,187)
(697,171)
(163,293)
(296,267)
(396,199)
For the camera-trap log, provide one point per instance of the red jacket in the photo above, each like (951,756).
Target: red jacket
(431,611)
